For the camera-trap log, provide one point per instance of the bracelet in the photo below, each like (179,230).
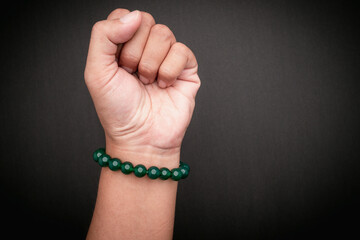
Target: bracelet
(140,170)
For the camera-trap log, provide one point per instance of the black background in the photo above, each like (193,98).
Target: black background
(273,143)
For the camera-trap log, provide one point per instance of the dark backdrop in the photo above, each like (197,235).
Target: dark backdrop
(273,143)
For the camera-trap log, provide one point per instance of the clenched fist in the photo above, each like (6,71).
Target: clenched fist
(143,83)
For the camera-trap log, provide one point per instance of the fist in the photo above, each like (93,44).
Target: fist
(142,81)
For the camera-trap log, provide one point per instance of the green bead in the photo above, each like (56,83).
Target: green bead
(176,174)
(184,172)
(114,164)
(140,170)
(184,165)
(104,160)
(98,154)
(165,173)
(153,172)
(127,167)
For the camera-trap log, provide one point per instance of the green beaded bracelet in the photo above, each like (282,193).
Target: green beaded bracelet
(140,170)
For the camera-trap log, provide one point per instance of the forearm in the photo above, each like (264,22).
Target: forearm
(128,207)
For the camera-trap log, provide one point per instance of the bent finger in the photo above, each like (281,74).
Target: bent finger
(179,70)
(173,65)
(105,37)
(132,50)
(157,47)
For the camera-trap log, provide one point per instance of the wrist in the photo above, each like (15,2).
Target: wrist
(146,155)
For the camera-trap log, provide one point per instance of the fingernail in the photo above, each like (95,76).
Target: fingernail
(162,84)
(143,79)
(129,17)
(129,70)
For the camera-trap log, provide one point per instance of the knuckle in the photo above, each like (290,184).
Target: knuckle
(162,31)
(179,47)
(146,68)
(98,27)
(147,18)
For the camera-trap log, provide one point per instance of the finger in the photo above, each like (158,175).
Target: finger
(105,37)
(117,14)
(132,50)
(157,46)
(179,70)
(173,65)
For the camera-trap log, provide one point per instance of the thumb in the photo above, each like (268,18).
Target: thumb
(105,37)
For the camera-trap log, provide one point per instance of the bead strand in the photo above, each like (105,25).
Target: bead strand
(140,170)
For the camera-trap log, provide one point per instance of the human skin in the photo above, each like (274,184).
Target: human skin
(143,84)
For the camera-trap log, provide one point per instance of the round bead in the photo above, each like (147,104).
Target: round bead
(127,167)
(184,165)
(98,154)
(104,160)
(176,174)
(184,172)
(153,172)
(140,170)
(165,173)
(114,164)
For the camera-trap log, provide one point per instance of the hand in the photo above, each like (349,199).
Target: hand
(143,83)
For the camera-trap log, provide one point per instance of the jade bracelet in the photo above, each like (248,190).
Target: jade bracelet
(140,170)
